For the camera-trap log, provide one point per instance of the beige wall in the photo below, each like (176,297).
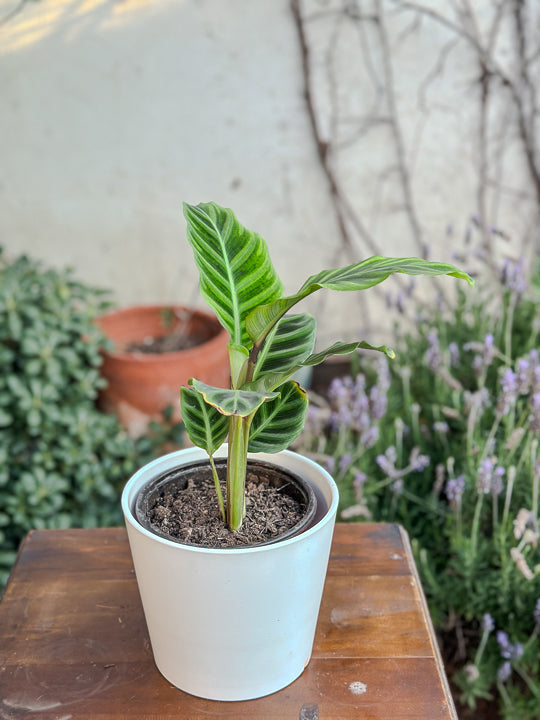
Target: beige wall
(113,112)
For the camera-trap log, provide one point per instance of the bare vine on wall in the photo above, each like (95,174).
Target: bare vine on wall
(421,111)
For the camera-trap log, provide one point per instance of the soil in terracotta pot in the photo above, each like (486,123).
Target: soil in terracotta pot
(181,336)
(191,514)
(174,342)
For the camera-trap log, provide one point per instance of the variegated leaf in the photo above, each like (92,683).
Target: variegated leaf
(278,422)
(268,382)
(236,273)
(241,403)
(289,343)
(207,427)
(359,276)
(341,348)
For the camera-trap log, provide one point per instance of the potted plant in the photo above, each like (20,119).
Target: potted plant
(233,623)
(153,350)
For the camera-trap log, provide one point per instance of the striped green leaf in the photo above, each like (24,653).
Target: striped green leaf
(278,422)
(267,382)
(236,273)
(207,427)
(359,276)
(341,348)
(240,403)
(289,343)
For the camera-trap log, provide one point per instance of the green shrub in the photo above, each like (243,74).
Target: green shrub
(62,462)
(445,441)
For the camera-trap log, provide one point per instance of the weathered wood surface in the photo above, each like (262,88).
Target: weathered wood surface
(73,642)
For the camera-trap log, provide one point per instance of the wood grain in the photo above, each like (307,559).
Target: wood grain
(73,642)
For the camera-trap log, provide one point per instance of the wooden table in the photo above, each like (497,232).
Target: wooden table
(73,642)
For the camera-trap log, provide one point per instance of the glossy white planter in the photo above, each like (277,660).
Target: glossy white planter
(232,624)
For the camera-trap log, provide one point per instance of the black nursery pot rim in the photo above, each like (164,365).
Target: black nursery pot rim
(173,475)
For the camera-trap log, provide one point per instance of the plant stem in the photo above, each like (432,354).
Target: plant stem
(487,444)
(527,680)
(508,328)
(508,498)
(476,525)
(218,488)
(236,470)
(536,479)
(481,647)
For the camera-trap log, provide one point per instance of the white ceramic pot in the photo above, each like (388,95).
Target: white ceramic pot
(232,624)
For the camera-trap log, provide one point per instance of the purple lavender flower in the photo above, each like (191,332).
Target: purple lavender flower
(370,436)
(433,356)
(513,275)
(489,477)
(486,353)
(497,484)
(345,461)
(536,379)
(476,401)
(453,349)
(509,651)
(353,409)
(419,462)
(484,474)
(504,644)
(523,376)
(337,389)
(509,391)
(379,402)
(359,479)
(488,624)
(387,462)
(534,417)
(454,490)
(504,672)
(489,349)
(517,651)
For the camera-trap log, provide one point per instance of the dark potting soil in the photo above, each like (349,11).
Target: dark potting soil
(192,516)
(174,342)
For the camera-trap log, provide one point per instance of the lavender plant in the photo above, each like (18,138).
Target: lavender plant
(448,445)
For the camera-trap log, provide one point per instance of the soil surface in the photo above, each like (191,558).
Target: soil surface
(191,514)
(174,342)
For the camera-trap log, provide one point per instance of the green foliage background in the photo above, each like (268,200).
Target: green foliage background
(63,463)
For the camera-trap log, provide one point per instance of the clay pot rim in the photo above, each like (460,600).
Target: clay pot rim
(141,357)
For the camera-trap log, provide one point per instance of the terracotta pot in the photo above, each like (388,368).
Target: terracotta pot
(141,385)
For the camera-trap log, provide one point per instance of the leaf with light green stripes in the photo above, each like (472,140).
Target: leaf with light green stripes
(207,427)
(236,273)
(278,422)
(341,348)
(289,343)
(270,381)
(241,403)
(359,276)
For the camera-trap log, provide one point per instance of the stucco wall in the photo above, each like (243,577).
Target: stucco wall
(113,112)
